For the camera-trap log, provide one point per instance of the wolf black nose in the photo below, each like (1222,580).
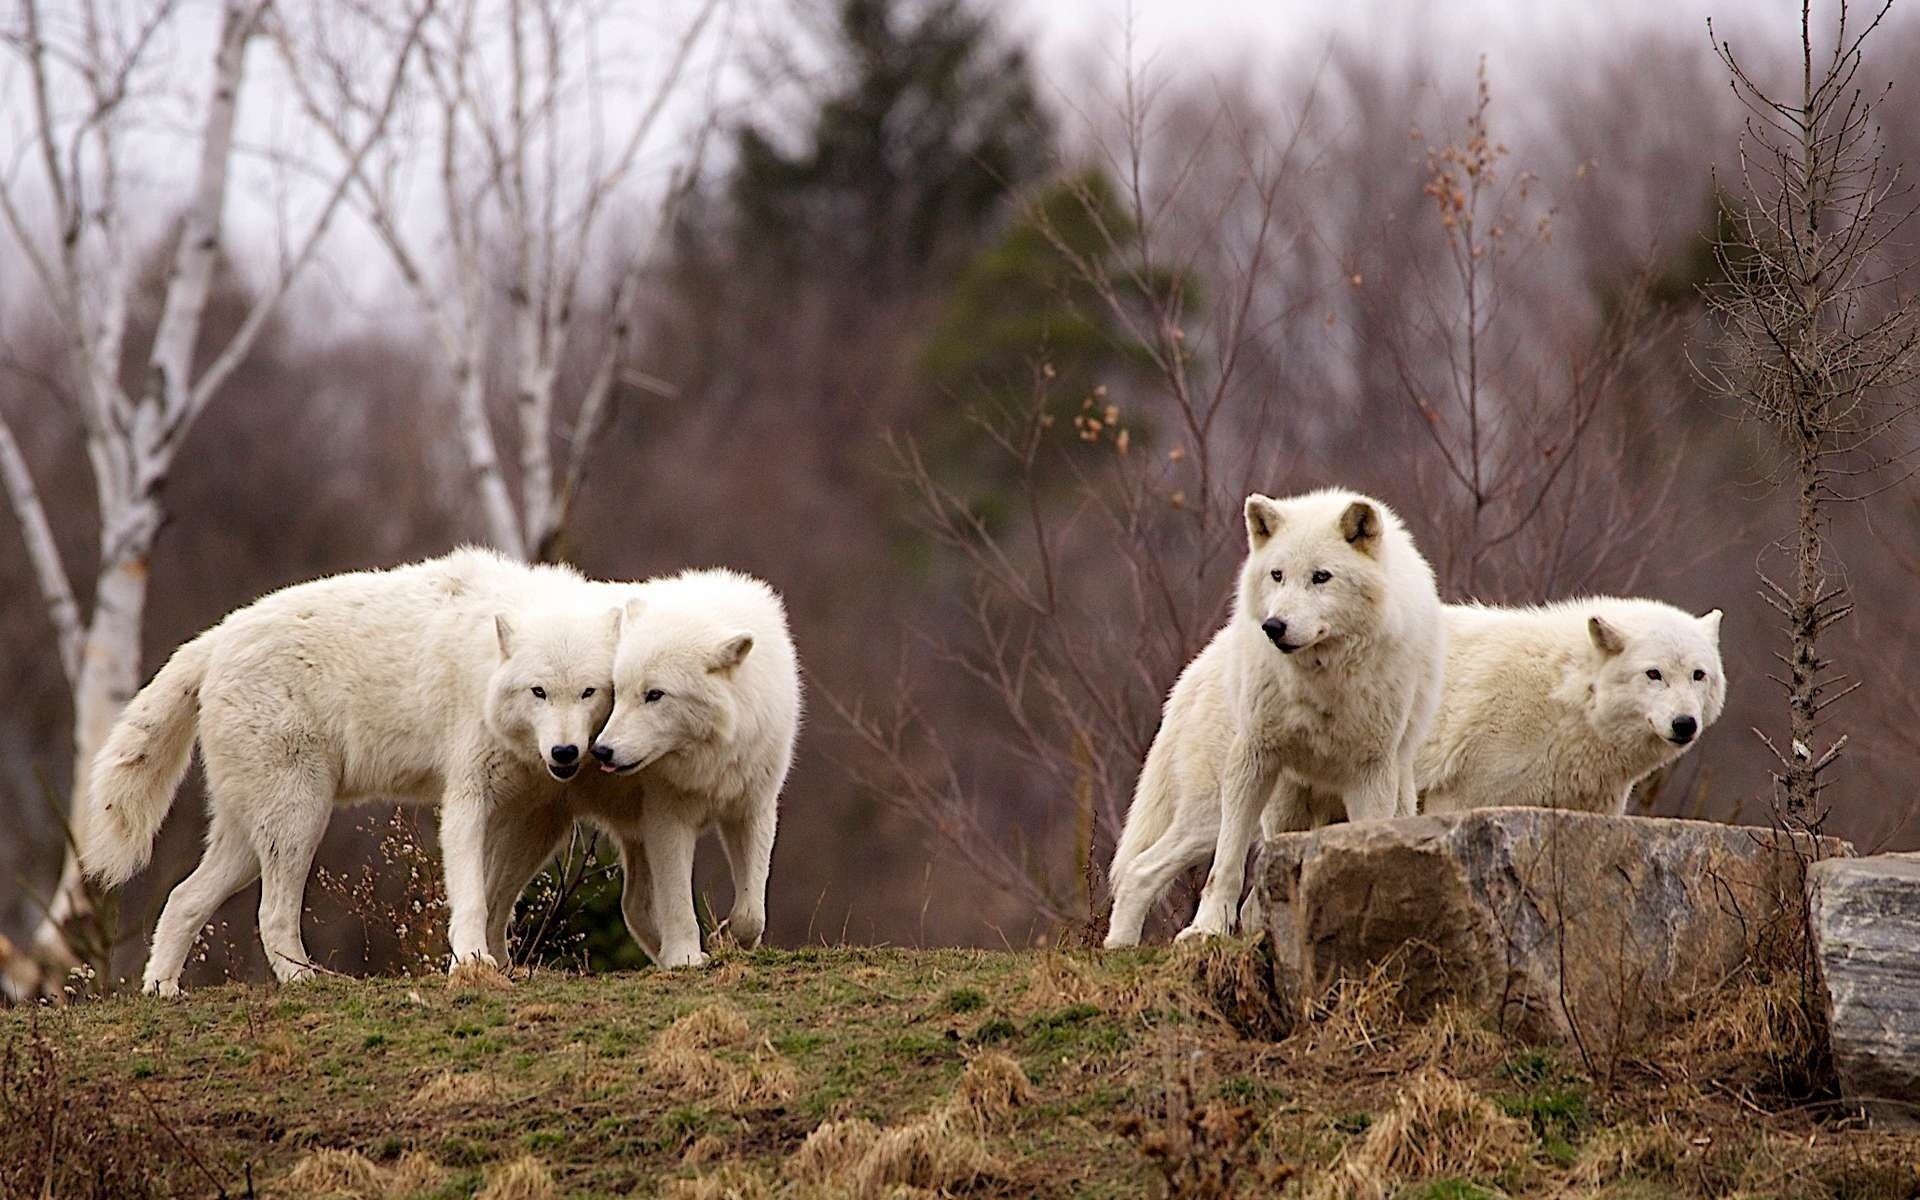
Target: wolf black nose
(603,753)
(1684,728)
(564,754)
(1275,629)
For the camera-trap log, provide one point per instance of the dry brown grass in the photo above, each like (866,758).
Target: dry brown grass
(863,1161)
(450,1090)
(682,1059)
(1437,1128)
(350,1175)
(476,976)
(1623,1153)
(336,1175)
(1753,1034)
(278,1056)
(525,1178)
(728,1182)
(993,1086)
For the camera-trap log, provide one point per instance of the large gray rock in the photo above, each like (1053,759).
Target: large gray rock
(1866,933)
(1564,926)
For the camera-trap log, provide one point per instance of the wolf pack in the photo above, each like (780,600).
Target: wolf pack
(523,699)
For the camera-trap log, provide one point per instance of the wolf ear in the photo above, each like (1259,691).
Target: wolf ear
(615,618)
(1263,519)
(1710,622)
(503,633)
(1605,637)
(632,609)
(731,653)
(1360,525)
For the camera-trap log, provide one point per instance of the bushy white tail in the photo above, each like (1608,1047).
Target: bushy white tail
(139,769)
(1152,810)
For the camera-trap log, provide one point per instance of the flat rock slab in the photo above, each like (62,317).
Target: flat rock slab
(1562,926)
(1866,934)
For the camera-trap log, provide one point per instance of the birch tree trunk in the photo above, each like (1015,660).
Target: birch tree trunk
(131,441)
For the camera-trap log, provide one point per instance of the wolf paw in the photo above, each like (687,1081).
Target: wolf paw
(682,958)
(166,989)
(1197,932)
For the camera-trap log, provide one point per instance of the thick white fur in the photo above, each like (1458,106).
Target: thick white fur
(711,749)
(1326,730)
(1553,706)
(414,683)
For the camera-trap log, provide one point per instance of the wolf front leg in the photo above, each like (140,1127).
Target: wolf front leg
(748,841)
(669,842)
(1244,787)
(465,811)
(1380,792)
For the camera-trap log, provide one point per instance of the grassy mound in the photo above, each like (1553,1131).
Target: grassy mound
(871,1073)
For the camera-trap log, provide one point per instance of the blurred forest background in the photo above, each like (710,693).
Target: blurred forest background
(972,354)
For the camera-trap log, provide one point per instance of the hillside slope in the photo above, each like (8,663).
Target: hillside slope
(848,1072)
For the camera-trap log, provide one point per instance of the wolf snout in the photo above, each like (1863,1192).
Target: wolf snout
(1276,631)
(562,755)
(603,753)
(1684,729)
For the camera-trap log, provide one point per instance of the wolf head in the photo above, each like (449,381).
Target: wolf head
(1314,573)
(553,684)
(673,685)
(1659,675)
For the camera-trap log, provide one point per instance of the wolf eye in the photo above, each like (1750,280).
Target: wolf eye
(653,694)
(1653,674)
(1698,675)
(1277,575)
(588,694)
(539,693)
(1322,576)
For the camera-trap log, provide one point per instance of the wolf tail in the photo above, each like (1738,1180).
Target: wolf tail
(1151,813)
(139,769)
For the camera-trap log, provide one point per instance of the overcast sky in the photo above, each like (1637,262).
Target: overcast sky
(1525,41)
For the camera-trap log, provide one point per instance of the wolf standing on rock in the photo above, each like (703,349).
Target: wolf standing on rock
(1324,681)
(470,680)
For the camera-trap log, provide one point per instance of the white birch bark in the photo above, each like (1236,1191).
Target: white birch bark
(131,440)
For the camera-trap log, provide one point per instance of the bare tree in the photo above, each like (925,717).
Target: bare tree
(85,87)
(1535,492)
(522,199)
(1816,343)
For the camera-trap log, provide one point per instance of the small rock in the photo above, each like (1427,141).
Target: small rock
(1866,934)
(1572,927)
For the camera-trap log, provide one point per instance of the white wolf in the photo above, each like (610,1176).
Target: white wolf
(706,712)
(457,679)
(1325,678)
(1568,705)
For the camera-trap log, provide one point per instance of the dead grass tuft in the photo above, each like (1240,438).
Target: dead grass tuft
(864,1161)
(1437,1128)
(525,1178)
(1243,984)
(730,1182)
(831,1150)
(535,1014)
(1623,1153)
(1767,1034)
(1458,1038)
(708,1147)
(1355,1013)
(449,1090)
(476,976)
(278,1057)
(336,1175)
(682,1059)
(705,1029)
(993,1086)
(413,1174)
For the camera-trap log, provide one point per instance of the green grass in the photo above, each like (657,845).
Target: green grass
(235,1082)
